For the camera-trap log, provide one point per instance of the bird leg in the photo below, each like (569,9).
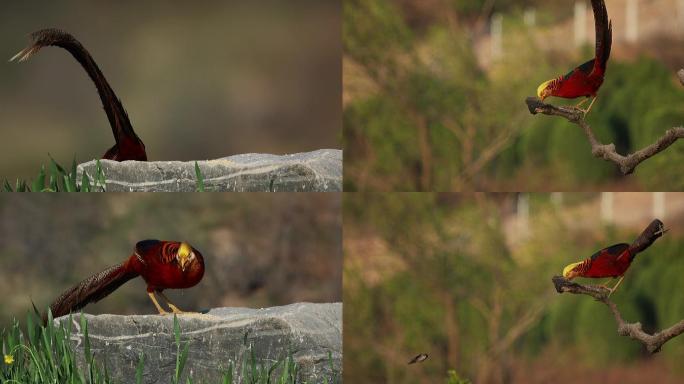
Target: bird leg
(581,103)
(156,304)
(584,101)
(616,285)
(174,308)
(590,105)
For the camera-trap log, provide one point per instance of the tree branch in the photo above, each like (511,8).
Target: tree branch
(626,163)
(653,342)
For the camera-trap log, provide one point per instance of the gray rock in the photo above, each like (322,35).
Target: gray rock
(223,335)
(317,171)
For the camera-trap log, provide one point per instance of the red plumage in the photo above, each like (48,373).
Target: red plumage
(586,79)
(162,264)
(615,260)
(612,261)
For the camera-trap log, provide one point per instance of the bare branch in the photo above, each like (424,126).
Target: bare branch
(653,342)
(626,163)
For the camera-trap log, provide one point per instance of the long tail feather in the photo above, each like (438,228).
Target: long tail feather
(604,33)
(648,236)
(91,290)
(116,114)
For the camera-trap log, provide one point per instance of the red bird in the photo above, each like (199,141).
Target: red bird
(586,79)
(614,261)
(128,145)
(162,264)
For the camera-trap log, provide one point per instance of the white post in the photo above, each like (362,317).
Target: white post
(580,22)
(659,205)
(496,32)
(632,20)
(607,207)
(530,17)
(523,213)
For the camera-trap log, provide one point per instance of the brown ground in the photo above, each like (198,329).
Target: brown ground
(547,369)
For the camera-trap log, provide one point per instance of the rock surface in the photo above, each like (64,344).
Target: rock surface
(317,171)
(220,337)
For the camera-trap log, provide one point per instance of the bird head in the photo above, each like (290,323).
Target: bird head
(185,255)
(544,90)
(570,271)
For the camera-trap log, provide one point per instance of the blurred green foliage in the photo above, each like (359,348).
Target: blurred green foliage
(431,117)
(449,284)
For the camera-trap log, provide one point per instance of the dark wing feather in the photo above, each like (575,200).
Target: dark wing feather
(604,35)
(615,250)
(147,246)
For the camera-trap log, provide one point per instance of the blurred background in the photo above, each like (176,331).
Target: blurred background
(434,90)
(466,278)
(199,81)
(259,249)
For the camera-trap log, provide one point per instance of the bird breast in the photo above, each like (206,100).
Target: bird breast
(170,275)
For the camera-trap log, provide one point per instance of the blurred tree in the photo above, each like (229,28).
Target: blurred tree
(425,109)
(456,277)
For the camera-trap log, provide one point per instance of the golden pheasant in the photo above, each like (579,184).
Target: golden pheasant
(162,264)
(586,79)
(614,261)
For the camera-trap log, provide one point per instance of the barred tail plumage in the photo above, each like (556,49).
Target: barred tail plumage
(91,290)
(116,114)
(604,33)
(647,237)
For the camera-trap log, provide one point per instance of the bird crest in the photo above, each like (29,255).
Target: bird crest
(184,250)
(568,269)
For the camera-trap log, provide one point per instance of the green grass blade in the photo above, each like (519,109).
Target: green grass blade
(85,182)
(39,182)
(200,178)
(139,369)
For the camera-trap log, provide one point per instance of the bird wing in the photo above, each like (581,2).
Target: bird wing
(614,250)
(604,36)
(144,247)
(161,251)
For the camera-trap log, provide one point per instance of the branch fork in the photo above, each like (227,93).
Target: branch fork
(653,342)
